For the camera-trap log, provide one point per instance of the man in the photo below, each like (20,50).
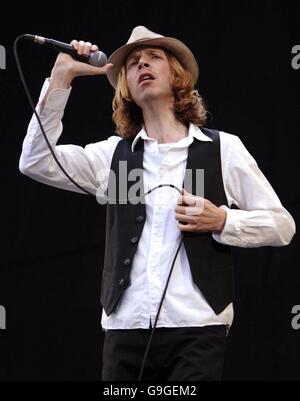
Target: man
(160,117)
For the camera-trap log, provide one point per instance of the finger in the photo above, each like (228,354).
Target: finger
(94,48)
(107,67)
(184,218)
(104,69)
(194,211)
(88,69)
(75,44)
(87,48)
(189,210)
(179,202)
(186,200)
(185,227)
(180,209)
(195,201)
(186,193)
(81,45)
(189,200)
(188,196)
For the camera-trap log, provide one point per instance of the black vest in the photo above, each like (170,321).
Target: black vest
(210,261)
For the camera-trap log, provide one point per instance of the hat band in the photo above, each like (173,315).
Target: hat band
(143,39)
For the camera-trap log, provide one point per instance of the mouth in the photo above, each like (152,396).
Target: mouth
(145,77)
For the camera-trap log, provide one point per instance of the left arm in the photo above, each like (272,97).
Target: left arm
(261,219)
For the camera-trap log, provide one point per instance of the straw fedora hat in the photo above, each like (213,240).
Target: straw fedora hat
(141,36)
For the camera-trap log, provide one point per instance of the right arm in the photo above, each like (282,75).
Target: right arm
(66,69)
(84,165)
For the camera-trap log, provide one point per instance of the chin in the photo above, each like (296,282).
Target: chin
(150,95)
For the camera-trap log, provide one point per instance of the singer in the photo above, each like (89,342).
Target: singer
(160,119)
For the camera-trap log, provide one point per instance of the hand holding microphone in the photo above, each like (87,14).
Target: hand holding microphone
(75,59)
(70,67)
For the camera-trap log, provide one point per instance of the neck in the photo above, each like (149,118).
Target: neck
(162,125)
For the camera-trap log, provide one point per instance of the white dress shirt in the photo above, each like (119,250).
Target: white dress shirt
(261,220)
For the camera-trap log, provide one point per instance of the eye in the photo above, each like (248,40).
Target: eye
(132,63)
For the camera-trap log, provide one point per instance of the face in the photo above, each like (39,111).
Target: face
(148,75)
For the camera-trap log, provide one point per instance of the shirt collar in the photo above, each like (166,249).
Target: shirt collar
(194,132)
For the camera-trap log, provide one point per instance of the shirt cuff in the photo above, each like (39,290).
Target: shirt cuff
(232,229)
(56,99)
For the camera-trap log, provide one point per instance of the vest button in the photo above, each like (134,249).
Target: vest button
(121,282)
(127,262)
(140,219)
(134,240)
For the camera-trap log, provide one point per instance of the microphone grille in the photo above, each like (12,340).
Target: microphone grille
(98,59)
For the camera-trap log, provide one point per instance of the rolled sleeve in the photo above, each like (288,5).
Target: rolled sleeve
(57,99)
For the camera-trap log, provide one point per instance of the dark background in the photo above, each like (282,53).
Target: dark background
(52,241)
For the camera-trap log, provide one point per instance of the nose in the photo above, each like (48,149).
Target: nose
(143,64)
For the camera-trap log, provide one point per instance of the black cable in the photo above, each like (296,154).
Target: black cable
(158,312)
(90,193)
(139,198)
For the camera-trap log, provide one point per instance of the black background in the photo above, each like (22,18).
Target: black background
(52,241)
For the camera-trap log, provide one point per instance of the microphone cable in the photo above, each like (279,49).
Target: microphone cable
(91,194)
(158,312)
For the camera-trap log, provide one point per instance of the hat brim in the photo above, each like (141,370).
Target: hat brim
(175,46)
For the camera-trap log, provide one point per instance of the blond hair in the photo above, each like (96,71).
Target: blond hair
(188,104)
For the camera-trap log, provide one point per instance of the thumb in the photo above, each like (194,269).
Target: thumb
(186,193)
(102,70)
(106,68)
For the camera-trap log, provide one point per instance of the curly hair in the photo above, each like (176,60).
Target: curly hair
(188,104)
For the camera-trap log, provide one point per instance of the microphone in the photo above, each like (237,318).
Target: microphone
(97,58)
